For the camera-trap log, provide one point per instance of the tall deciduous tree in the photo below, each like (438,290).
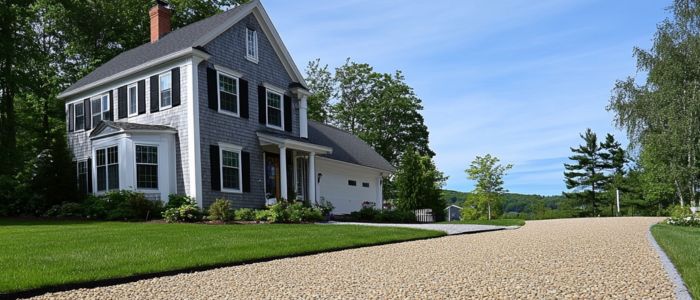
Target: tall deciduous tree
(355,84)
(488,174)
(662,115)
(322,86)
(419,183)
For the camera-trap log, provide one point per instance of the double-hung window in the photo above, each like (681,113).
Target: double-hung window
(251,42)
(146,167)
(228,94)
(165,90)
(274,109)
(231,169)
(79,116)
(107,163)
(100,109)
(82,176)
(132,94)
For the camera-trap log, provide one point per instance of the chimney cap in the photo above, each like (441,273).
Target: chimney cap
(161,3)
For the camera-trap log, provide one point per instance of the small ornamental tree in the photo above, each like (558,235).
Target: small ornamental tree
(488,174)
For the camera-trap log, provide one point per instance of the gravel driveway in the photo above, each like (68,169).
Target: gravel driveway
(573,258)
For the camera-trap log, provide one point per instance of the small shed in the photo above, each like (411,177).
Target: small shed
(453,213)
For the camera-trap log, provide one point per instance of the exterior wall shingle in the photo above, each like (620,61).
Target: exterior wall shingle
(228,50)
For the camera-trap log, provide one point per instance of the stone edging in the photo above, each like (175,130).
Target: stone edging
(681,290)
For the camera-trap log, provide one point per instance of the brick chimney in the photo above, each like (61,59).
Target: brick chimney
(160,20)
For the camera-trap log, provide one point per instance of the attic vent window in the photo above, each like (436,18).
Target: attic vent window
(251,43)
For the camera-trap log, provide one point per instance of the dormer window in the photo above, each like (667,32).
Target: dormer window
(251,45)
(165,90)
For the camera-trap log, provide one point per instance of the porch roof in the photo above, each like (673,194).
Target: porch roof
(268,137)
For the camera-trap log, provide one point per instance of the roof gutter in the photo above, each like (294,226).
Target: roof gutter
(179,54)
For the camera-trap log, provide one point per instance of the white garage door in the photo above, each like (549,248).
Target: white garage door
(348,186)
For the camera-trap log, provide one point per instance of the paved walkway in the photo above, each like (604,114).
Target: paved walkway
(450,229)
(600,258)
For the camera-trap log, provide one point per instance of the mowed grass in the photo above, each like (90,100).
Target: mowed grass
(682,245)
(36,254)
(495,222)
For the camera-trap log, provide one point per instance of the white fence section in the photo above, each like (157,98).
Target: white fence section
(424,215)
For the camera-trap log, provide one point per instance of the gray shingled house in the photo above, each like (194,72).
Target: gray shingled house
(216,109)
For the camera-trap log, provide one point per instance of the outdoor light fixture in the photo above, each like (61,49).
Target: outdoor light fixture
(319,177)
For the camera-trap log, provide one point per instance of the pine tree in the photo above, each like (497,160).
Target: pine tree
(587,176)
(419,183)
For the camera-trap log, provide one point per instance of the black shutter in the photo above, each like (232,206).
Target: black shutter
(262,105)
(176,86)
(215,168)
(155,100)
(88,113)
(211,89)
(71,118)
(121,100)
(142,96)
(245,157)
(111,105)
(287,113)
(243,97)
(89,175)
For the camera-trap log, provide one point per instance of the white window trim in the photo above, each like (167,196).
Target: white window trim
(106,165)
(102,108)
(252,58)
(160,101)
(136,178)
(267,115)
(230,148)
(75,116)
(238,94)
(128,99)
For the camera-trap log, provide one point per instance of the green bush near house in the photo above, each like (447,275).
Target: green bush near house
(296,212)
(187,212)
(245,214)
(220,210)
(177,200)
(262,215)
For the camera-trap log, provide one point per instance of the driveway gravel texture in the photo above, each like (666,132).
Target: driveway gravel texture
(596,258)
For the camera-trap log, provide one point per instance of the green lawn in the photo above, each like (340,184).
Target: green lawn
(38,254)
(682,245)
(496,222)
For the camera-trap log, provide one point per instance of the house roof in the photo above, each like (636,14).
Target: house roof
(347,147)
(119,127)
(193,36)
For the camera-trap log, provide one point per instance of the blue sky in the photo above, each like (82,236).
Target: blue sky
(516,79)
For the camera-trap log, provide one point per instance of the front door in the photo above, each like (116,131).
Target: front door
(272,177)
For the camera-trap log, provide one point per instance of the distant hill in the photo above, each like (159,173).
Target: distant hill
(513,202)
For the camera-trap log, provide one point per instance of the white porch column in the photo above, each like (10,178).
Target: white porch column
(303,119)
(312,178)
(380,196)
(283,172)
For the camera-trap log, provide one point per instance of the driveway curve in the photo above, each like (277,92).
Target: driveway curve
(597,258)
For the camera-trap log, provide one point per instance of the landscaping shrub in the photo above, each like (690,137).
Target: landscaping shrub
(177,200)
(395,216)
(682,216)
(220,210)
(678,211)
(326,207)
(130,205)
(285,212)
(187,212)
(245,214)
(95,207)
(367,214)
(71,210)
(262,215)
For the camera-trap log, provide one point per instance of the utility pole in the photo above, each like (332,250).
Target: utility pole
(617,197)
